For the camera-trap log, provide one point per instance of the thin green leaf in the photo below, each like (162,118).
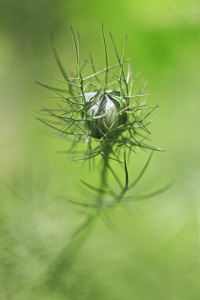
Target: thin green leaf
(153,194)
(106,56)
(120,63)
(68,82)
(52,88)
(59,63)
(81,204)
(126,172)
(98,190)
(142,172)
(115,176)
(93,68)
(75,46)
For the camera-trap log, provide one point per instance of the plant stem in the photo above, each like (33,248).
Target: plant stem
(104,172)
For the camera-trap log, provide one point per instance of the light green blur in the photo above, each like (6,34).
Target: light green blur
(154,250)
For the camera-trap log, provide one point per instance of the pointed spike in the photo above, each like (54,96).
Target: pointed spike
(93,68)
(155,193)
(115,176)
(106,55)
(98,190)
(122,71)
(81,204)
(142,172)
(75,46)
(59,62)
(68,82)
(126,172)
(50,87)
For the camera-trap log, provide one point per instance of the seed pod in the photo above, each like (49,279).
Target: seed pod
(103,113)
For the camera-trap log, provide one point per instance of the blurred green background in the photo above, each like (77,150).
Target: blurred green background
(155,251)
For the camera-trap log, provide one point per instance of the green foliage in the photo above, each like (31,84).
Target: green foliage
(102,112)
(100,109)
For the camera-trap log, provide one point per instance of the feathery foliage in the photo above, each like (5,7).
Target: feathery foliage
(100,110)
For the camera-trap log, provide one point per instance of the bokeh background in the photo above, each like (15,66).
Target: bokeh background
(154,253)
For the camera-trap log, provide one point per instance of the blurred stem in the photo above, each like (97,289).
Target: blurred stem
(104,172)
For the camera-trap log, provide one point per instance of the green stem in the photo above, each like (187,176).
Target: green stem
(104,172)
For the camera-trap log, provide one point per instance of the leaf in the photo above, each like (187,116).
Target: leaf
(142,172)
(82,204)
(98,190)
(75,45)
(59,63)
(106,55)
(153,194)
(126,172)
(51,88)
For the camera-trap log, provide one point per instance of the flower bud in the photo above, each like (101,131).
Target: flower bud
(104,114)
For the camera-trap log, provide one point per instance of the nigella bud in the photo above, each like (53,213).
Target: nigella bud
(105,113)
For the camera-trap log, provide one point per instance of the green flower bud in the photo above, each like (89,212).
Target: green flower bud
(104,113)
